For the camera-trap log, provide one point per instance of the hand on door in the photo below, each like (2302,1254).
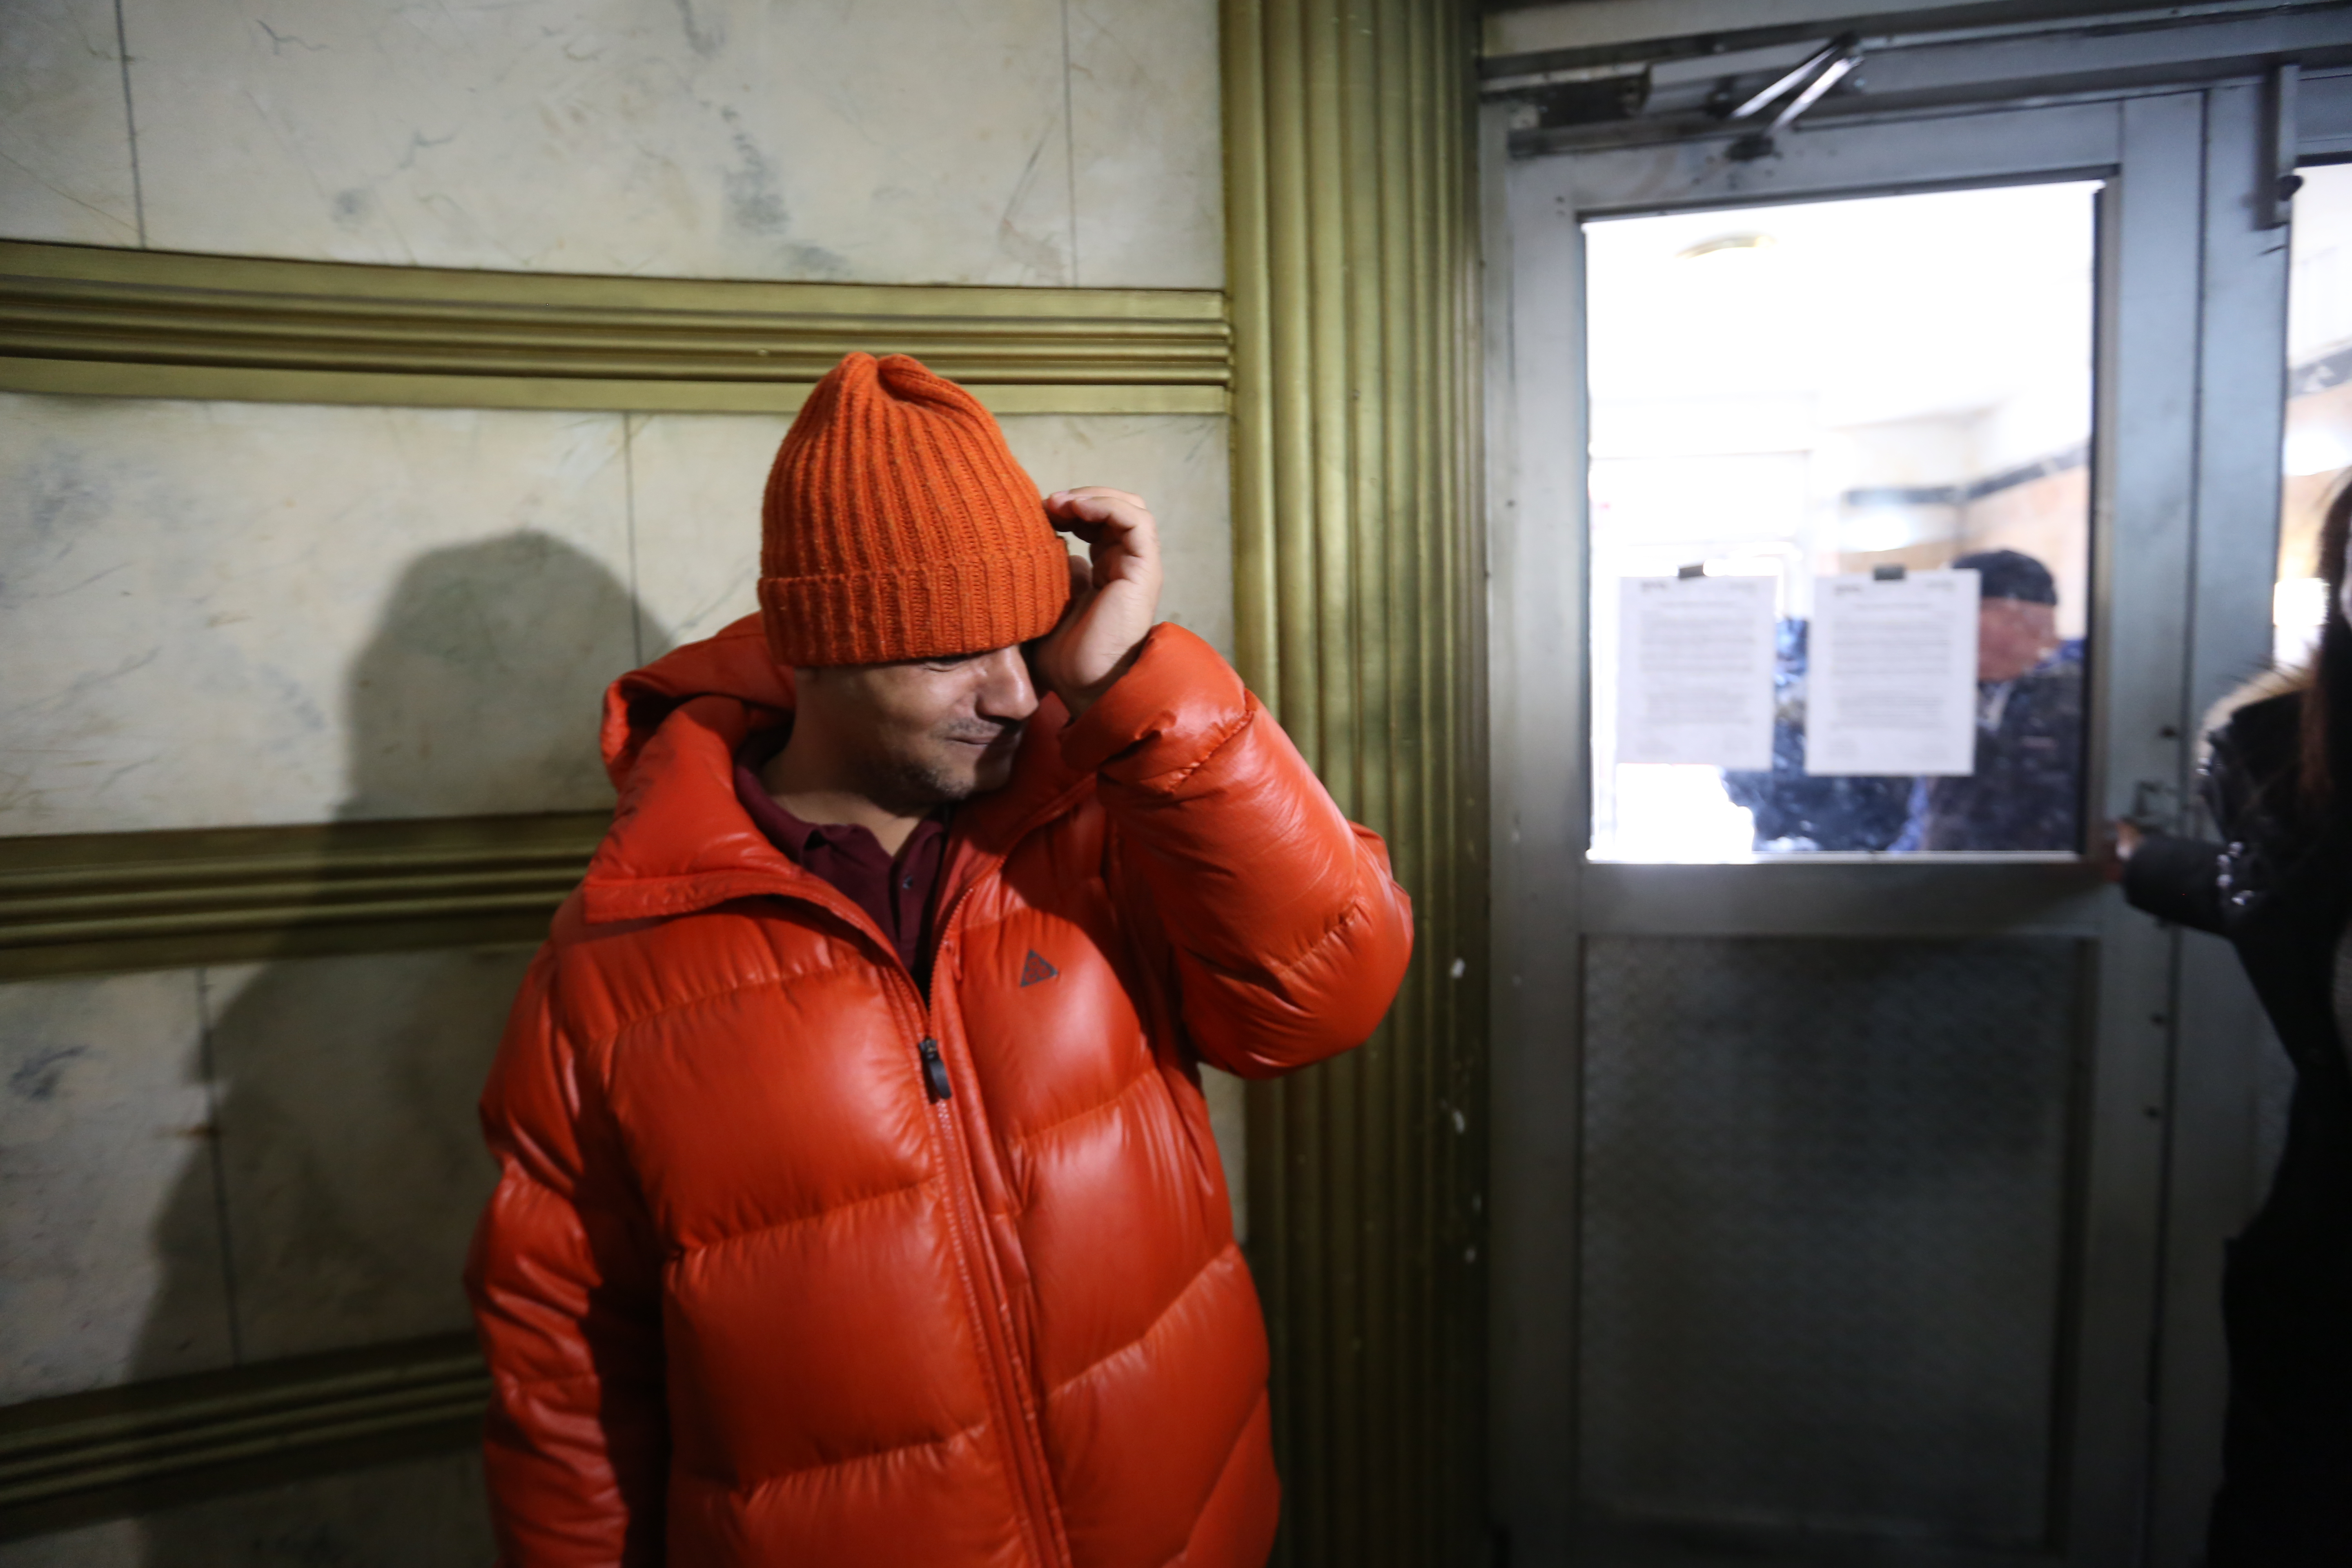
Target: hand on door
(2121,840)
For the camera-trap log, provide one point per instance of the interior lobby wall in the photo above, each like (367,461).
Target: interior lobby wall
(236,613)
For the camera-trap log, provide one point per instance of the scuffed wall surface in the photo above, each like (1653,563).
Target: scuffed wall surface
(112,1228)
(239,1161)
(65,136)
(223,614)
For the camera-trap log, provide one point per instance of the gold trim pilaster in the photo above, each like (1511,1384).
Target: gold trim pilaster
(1358,590)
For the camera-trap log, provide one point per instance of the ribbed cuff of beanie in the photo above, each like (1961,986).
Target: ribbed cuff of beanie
(933,610)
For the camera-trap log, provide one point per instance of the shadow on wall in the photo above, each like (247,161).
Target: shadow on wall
(347,1167)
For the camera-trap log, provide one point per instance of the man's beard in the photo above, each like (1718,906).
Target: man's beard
(913,787)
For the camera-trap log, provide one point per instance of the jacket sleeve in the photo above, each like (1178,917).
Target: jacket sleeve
(565,1278)
(2177,879)
(1288,935)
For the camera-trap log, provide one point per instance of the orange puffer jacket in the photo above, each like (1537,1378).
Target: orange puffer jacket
(788,1265)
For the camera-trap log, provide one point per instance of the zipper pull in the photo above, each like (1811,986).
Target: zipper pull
(935,1069)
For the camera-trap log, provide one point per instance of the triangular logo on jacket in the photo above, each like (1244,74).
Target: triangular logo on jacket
(1035,968)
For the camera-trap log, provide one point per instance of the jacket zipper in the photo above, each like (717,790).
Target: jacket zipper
(935,1070)
(1018,1417)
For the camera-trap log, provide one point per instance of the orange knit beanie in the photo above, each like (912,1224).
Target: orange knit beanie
(897,525)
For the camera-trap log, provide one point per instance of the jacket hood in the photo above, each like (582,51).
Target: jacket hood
(735,663)
(680,841)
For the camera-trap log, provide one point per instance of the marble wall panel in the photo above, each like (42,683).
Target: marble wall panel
(429,1512)
(1177,462)
(110,1259)
(223,614)
(899,142)
(1145,143)
(352,1161)
(696,483)
(65,136)
(1024,142)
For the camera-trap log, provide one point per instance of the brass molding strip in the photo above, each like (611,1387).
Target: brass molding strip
(1358,581)
(113,901)
(136,323)
(123,1441)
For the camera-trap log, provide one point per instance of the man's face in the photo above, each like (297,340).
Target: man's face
(2013,635)
(923,732)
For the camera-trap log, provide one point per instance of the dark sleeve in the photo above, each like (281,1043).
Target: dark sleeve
(2177,879)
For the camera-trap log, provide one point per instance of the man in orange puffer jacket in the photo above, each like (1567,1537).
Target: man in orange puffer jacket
(857,1201)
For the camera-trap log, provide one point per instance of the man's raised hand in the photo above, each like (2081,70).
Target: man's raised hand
(1114,592)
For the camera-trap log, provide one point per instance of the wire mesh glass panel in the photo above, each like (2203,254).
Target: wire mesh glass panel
(1823,1232)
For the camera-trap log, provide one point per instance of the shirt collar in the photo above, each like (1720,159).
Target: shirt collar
(790,832)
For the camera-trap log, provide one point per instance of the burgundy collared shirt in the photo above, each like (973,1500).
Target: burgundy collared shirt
(896,891)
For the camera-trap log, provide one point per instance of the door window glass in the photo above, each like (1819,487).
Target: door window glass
(2318,450)
(1882,409)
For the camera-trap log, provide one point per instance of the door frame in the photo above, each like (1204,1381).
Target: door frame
(2185,488)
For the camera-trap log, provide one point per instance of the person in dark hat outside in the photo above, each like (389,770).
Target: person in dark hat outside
(2026,790)
(1795,810)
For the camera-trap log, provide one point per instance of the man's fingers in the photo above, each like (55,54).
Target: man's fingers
(1104,518)
(1088,497)
(1087,512)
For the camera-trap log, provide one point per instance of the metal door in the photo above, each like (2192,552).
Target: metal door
(1831,1193)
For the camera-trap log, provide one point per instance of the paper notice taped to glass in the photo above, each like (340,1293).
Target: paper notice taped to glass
(1695,672)
(1891,678)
